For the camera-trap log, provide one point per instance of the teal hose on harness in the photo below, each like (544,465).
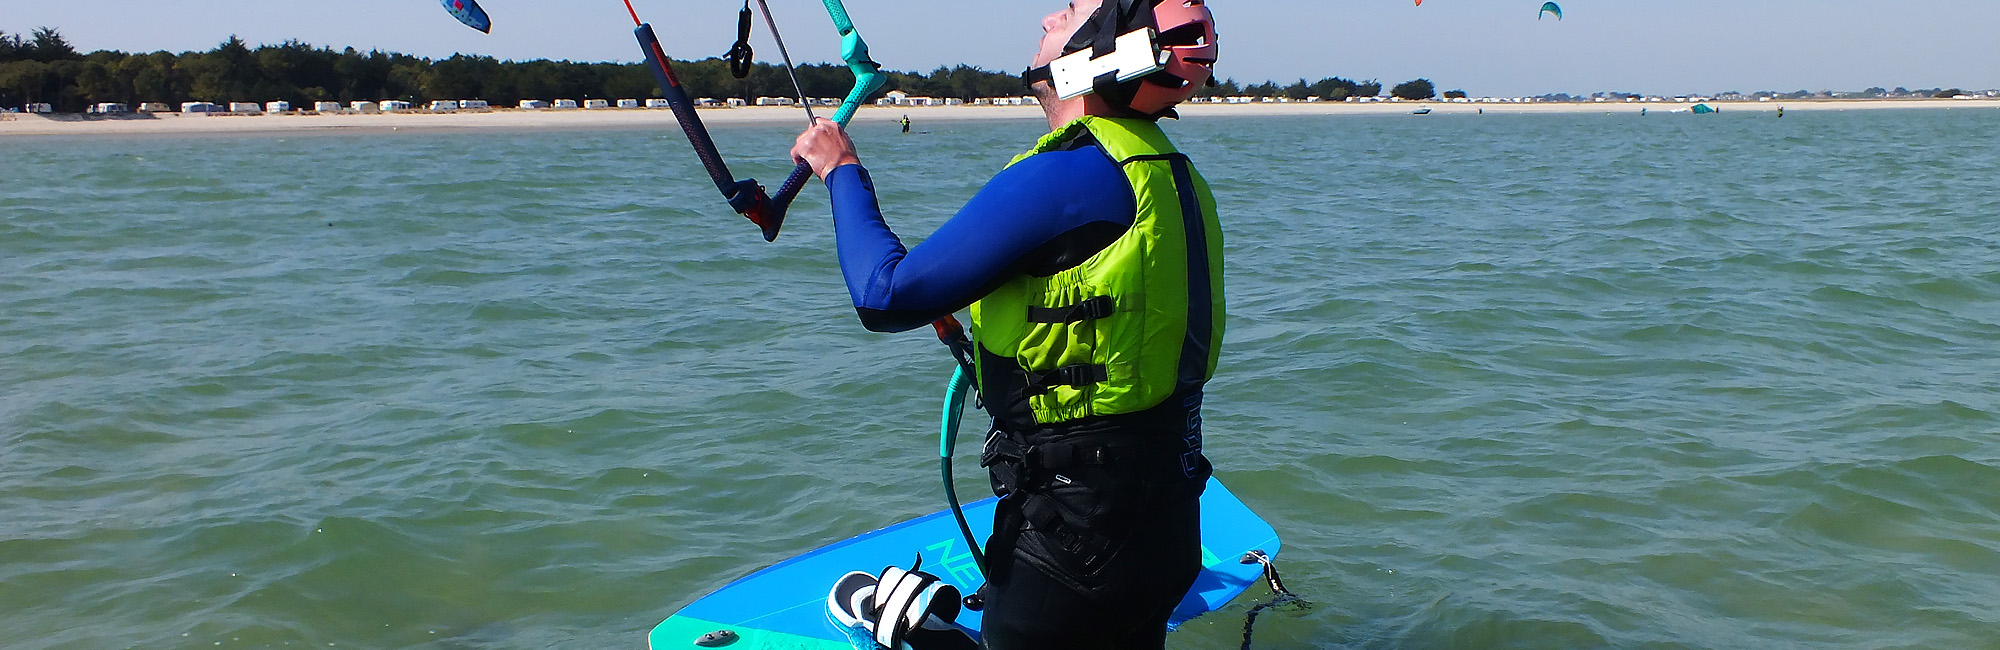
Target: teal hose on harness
(954,410)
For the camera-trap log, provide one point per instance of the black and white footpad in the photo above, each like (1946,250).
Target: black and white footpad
(901,610)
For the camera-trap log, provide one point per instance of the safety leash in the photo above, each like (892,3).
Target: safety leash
(1280,595)
(740,56)
(952,334)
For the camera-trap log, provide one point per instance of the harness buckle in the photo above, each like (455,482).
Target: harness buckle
(1092,309)
(1062,455)
(1040,383)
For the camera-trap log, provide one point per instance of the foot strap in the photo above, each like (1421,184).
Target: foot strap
(905,600)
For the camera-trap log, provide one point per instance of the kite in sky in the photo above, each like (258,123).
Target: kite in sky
(468,12)
(1550,8)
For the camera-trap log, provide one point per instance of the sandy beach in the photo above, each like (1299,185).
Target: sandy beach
(516,120)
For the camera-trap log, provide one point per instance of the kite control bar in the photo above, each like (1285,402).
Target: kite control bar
(747,197)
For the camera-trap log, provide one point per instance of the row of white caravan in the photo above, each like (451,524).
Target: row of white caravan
(705,102)
(115,108)
(212,107)
(439,106)
(591,104)
(286,107)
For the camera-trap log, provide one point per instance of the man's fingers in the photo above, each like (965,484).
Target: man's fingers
(822,145)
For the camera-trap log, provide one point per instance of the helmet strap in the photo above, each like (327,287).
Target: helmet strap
(1102,41)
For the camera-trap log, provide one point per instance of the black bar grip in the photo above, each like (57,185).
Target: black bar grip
(745,196)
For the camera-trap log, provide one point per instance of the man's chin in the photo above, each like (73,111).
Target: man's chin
(1044,92)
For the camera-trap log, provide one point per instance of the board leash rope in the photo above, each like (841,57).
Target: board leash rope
(1280,595)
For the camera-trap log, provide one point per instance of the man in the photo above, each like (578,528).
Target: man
(1093,269)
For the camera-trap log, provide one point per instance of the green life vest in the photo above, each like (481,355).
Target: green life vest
(1113,335)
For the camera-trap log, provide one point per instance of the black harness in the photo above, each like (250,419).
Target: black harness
(1078,483)
(1080,487)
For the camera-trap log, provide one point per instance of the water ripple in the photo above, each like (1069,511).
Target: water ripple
(1502,382)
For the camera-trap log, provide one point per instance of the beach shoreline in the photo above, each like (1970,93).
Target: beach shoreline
(28,125)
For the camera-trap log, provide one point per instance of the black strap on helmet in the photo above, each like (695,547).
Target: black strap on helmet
(1100,35)
(1114,19)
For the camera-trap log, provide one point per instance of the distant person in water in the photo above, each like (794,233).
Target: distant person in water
(906,124)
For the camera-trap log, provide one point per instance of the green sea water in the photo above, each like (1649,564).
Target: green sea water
(1539,381)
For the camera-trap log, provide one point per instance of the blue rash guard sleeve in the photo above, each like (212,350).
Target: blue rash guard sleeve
(1040,216)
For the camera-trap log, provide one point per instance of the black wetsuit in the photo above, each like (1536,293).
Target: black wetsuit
(1108,570)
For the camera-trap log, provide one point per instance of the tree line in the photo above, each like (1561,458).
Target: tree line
(43,67)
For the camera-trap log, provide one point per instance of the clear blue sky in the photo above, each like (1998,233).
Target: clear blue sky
(1492,47)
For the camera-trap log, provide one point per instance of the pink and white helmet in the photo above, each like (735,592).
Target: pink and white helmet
(1187,36)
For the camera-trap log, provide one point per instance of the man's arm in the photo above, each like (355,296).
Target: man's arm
(1041,216)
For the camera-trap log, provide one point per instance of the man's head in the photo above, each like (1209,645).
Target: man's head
(1187,49)
(1059,27)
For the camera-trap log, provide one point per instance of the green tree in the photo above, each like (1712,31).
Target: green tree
(205,77)
(287,72)
(460,77)
(1415,89)
(1335,89)
(46,68)
(151,77)
(1298,90)
(94,82)
(629,82)
(12,48)
(362,77)
(229,73)
(49,46)
(407,79)
(25,82)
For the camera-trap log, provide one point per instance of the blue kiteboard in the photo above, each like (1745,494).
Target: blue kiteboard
(784,606)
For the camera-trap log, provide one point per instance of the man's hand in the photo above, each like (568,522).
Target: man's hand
(825,147)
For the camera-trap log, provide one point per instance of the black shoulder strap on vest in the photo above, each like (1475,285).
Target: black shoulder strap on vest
(1201,308)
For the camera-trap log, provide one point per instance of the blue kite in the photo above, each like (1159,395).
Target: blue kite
(468,12)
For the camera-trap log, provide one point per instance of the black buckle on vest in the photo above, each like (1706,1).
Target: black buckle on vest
(1040,383)
(1001,448)
(1059,456)
(1092,309)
